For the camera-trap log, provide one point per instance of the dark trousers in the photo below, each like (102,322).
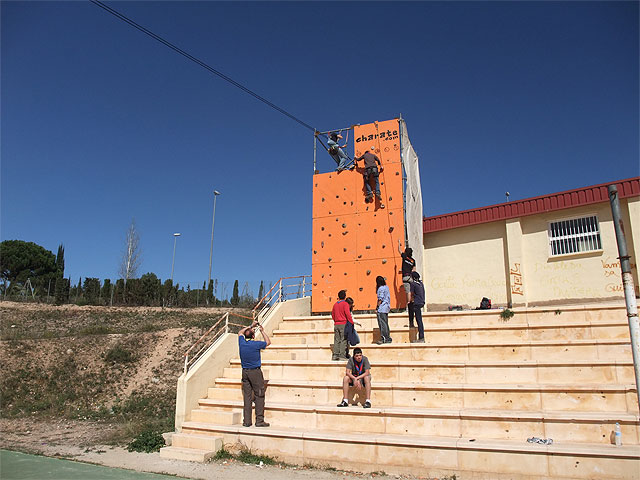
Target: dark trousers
(253,389)
(415,310)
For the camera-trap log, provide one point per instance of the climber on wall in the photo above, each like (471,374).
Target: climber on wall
(371,164)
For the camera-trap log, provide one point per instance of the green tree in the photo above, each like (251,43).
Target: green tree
(150,288)
(91,290)
(167,293)
(106,291)
(79,289)
(261,290)
(60,290)
(21,260)
(119,292)
(60,260)
(210,293)
(235,298)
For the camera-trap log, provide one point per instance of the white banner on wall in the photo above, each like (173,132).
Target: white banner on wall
(413,199)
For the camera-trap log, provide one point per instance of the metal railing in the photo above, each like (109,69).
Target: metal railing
(287,288)
(207,340)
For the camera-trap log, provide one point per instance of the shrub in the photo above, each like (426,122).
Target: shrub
(146,442)
(119,354)
(506,314)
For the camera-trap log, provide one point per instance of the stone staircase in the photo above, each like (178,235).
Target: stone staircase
(463,403)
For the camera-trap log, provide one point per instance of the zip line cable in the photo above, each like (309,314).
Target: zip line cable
(200,62)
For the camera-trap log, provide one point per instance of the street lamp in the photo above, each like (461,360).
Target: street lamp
(213,221)
(175,238)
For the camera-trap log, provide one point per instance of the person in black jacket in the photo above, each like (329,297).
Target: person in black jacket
(416,304)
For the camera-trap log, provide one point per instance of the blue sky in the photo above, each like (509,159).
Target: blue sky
(101,124)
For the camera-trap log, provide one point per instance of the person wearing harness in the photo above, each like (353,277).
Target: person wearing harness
(336,152)
(408,266)
(416,304)
(357,374)
(252,378)
(341,314)
(371,171)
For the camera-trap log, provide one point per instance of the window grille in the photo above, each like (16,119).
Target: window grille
(575,235)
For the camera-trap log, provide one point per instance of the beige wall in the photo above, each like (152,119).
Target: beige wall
(509,262)
(463,265)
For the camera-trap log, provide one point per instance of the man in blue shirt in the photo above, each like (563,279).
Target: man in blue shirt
(252,379)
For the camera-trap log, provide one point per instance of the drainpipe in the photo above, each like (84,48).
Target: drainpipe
(627,283)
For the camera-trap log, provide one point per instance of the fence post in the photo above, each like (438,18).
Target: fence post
(304,286)
(280,292)
(226,322)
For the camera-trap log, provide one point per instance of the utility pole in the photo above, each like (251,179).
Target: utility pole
(213,221)
(627,283)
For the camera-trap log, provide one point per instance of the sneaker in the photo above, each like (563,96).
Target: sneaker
(389,340)
(420,340)
(263,424)
(367,405)
(342,404)
(380,342)
(246,425)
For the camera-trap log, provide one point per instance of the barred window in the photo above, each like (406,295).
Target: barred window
(575,235)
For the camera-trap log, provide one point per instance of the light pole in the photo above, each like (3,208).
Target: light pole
(213,221)
(175,238)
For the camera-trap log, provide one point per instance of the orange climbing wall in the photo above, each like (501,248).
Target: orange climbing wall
(354,241)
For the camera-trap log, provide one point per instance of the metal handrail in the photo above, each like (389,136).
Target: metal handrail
(278,293)
(190,359)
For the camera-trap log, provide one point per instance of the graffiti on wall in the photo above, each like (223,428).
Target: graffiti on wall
(612,271)
(517,287)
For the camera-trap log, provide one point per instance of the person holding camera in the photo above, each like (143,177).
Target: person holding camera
(252,378)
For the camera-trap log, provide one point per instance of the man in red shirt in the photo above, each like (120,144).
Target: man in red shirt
(341,315)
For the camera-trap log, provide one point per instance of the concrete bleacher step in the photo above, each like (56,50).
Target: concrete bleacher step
(422,455)
(187,454)
(465,334)
(607,313)
(585,427)
(571,397)
(581,349)
(533,371)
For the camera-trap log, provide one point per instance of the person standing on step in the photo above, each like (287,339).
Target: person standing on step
(408,266)
(357,374)
(341,314)
(336,152)
(371,164)
(416,304)
(252,378)
(383,309)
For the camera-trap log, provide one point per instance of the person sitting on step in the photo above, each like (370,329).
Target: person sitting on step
(357,374)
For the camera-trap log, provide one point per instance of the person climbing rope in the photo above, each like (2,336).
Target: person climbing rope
(371,171)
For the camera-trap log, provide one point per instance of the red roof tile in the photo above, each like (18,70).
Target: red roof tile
(531,206)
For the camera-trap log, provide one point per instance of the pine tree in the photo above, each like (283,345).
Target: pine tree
(60,260)
(59,290)
(261,290)
(210,298)
(235,298)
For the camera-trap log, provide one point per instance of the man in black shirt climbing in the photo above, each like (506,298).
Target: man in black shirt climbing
(371,164)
